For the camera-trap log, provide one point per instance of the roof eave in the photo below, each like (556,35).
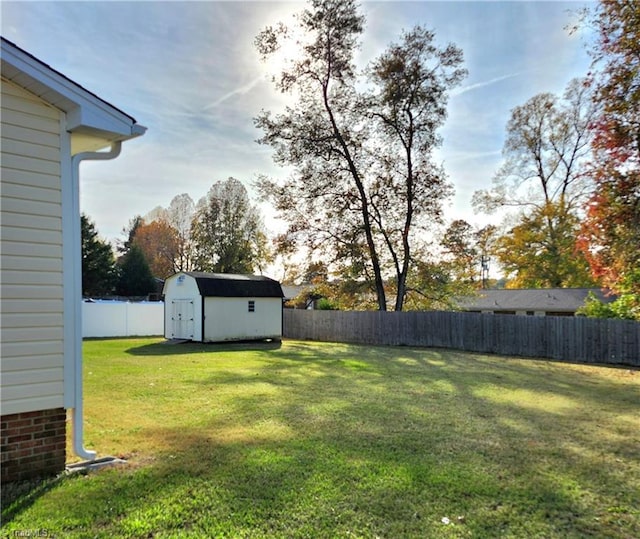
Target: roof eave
(87,114)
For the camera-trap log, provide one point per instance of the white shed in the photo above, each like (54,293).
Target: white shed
(216,307)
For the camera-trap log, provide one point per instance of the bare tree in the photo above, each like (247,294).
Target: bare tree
(362,170)
(546,152)
(180,216)
(545,177)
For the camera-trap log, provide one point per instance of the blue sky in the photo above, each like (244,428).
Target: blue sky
(188,71)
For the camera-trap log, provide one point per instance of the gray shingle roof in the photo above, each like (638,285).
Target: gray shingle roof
(543,299)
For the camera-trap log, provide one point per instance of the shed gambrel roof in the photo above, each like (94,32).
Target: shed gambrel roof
(539,299)
(232,285)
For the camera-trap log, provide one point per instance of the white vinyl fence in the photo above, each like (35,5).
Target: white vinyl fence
(122,319)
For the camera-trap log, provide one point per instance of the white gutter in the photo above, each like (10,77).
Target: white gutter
(78,437)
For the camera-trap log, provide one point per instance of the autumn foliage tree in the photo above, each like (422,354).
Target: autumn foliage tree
(531,258)
(224,233)
(167,244)
(610,234)
(159,243)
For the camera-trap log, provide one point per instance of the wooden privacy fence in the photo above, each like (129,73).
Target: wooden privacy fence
(575,339)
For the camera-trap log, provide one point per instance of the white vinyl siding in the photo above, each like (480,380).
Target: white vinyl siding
(32,266)
(229,319)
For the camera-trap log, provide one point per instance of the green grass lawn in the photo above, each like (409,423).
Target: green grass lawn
(331,440)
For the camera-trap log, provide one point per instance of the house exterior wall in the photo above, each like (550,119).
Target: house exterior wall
(32,307)
(32,264)
(229,319)
(33,444)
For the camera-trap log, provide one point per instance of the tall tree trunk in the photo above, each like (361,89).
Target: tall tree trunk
(366,217)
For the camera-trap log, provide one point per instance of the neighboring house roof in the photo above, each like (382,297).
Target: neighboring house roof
(293,290)
(542,299)
(93,121)
(231,285)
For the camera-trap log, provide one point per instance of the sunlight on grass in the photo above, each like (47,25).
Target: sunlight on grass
(331,440)
(549,402)
(359,366)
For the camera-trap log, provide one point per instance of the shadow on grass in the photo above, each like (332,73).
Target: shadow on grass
(465,371)
(508,444)
(20,495)
(331,440)
(168,348)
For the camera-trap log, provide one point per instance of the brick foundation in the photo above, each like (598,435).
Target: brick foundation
(33,444)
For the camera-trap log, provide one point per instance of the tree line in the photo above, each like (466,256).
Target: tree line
(364,199)
(222,233)
(364,190)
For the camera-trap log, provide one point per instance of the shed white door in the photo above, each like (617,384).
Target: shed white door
(182,314)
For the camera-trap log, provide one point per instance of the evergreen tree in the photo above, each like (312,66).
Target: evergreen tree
(135,276)
(99,273)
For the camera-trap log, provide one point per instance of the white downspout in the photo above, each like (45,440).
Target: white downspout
(78,437)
